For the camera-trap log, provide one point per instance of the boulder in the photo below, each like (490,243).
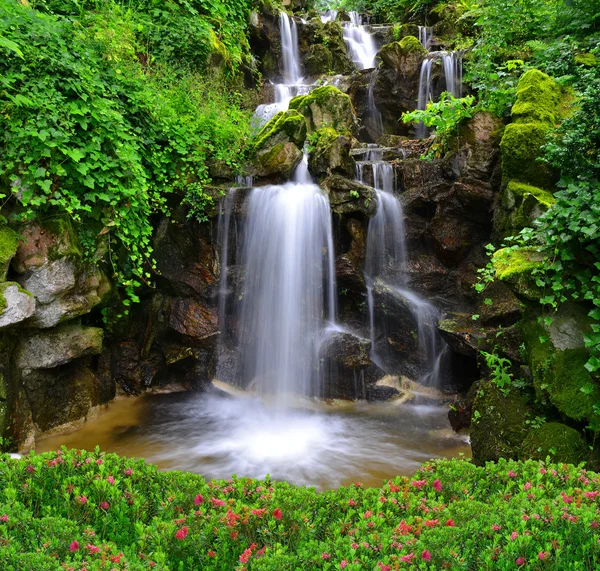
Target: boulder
(326,106)
(16,304)
(557,441)
(515,266)
(278,144)
(319,60)
(193,320)
(331,36)
(9,242)
(404,56)
(499,306)
(349,265)
(498,424)
(329,153)
(58,346)
(346,196)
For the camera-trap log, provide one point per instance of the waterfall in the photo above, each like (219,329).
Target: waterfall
(425,36)
(386,260)
(359,41)
(373,113)
(288,291)
(424,94)
(453,73)
(289,49)
(329,16)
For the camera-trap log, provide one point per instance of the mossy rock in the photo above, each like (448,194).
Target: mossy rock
(9,242)
(520,205)
(331,36)
(285,126)
(329,153)
(498,424)
(319,60)
(403,56)
(558,441)
(282,158)
(515,267)
(326,106)
(560,375)
(538,99)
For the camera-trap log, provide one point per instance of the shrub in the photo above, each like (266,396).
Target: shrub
(76,509)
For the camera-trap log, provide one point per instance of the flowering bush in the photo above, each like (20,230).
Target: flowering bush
(75,510)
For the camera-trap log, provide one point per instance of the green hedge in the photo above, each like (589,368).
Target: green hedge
(78,510)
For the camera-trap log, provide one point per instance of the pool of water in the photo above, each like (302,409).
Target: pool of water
(318,444)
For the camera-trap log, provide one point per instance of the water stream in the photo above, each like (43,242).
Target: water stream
(359,41)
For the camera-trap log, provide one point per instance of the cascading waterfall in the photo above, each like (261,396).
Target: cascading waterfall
(374,115)
(424,94)
(425,36)
(329,16)
(386,261)
(361,46)
(453,73)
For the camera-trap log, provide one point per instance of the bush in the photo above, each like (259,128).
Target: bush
(75,509)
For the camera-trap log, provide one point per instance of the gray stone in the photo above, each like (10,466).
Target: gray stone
(20,304)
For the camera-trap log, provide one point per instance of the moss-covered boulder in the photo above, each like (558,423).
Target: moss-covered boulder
(536,110)
(347,196)
(331,36)
(515,266)
(326,106)
(279,143)
(557,358)
(498,424)
(520,205)
(558,441)
(16,304)
(319,60)
(329,153)
(404,56)
(9,241)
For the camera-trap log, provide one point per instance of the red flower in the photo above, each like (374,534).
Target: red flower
(74,546)
(182,533)
(82,500)
(211,553)
(116,558)
(104,505)
(367,514)
(418,483)
(244,557)
(426,556)
(520,561)
(277,514)
(92,548)
(450,523)
(198,500)
(259,512)
(216,502)
(343,564)
(437,486)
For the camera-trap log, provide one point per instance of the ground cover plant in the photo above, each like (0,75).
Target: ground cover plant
(77,510)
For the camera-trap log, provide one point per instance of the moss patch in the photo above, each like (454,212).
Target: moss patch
(515,266)
(9,242)
(283,127)
(538,99)
(410,44)
(326,106)
(560,442)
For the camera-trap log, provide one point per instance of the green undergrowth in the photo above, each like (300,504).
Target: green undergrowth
(79,510)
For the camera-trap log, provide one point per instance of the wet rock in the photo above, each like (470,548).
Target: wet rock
(498,424)
(331,35)
(561,443)
(346,196)
(461,410)
(193,320)
(16,304)
(9,241)
(502,307)
(463,335)
(319,60)
(329,153)
(58,346)
(328,107)
(124,366)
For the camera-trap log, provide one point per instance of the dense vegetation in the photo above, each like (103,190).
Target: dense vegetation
(107,108)
(76,510)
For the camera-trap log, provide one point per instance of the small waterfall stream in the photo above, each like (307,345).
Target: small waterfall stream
(359,41)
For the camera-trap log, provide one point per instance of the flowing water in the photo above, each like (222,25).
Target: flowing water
(425,36)
(359,41)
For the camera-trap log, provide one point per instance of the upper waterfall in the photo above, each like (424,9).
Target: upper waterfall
(360,43)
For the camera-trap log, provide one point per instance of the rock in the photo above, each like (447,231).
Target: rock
(124,366)
(346,196)
(461,410)
(463,335)
(503,307)
(9,242)
(16,304)
(326,106)
(331,36)
(515,267)
(349,265)
(193,320)
(404,56)
(278,144)
(58,346)
(329,153)
(319,60)
(498,424)
(557,361)
(520,205)
(561,443)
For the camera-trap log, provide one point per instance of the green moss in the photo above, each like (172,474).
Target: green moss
(67,241)
(326,106)
(521,146)
(515,267)
(587,59)
(560,376)
(319,60)
(9,242)
(280,158)
(410,44)
(284,126)
(560,442)
(538,99)
(498,424)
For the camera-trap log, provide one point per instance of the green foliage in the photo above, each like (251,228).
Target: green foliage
(114,513)
(445,116)
(499,368)
(88,131)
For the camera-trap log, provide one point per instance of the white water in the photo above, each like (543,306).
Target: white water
(374,114)
(453,73)
(425,36)
(361,46)
(329,16)
(424,94)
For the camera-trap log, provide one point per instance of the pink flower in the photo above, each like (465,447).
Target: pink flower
(426,556)
(543,555)
(325,556)
(259,512)
(543,471)
(367,515)
(383,567)
(450,523)
(198,500)
(520,561)
(216,502)
(92,548)
(277,514)
(99,461)
(82,500)
(74,546)
(525,517)
(104,505)
(437,486)
(418,484)
(128,472)
(351,502)
(496,527)
(30,468)
(566,499)
(590,495)
(354,546)
(527,486)
(110,480)
(4,518)
(511,474)
(407,558)
(514,535)
(182,533)
(343,564)
(244,557)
